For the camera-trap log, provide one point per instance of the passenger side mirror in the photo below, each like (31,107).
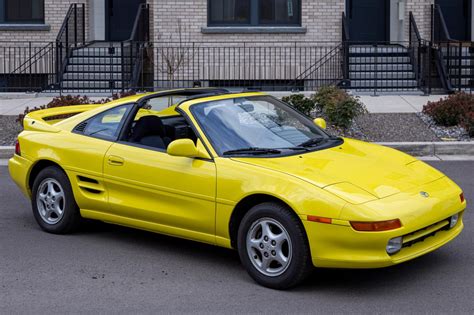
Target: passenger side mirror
(320,122)
(185,148)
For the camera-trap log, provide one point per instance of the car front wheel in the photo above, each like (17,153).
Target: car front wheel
(54,207)
(273,247)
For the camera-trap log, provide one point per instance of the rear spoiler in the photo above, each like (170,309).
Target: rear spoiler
(44,119)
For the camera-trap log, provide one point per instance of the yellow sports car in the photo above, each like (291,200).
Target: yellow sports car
(242,171)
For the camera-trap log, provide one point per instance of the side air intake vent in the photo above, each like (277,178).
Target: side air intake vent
(80,128)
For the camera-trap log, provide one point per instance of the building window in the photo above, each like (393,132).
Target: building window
(254,12)
(24,11)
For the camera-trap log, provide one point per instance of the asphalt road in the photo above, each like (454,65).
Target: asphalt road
(110,269)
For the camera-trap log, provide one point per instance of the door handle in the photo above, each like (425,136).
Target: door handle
(115,160)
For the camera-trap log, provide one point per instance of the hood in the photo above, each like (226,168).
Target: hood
(356,171)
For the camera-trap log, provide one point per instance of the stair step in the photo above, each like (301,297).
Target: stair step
(98,60)
(79,84)
(101,76)
(384,83)
(96,52)
(385,60)
(96,68)
(377,49)
(382,75)
(380,67)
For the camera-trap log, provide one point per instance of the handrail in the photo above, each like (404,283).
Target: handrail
(317,64)
(136,24)
(345,28)
(439,24)
(71,23)
(136,43)
(37,56)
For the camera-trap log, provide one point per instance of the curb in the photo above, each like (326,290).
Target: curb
(6,152)
(457,148)
(433,148)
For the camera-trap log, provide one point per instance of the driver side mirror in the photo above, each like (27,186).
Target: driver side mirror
(320,122)
(185,148)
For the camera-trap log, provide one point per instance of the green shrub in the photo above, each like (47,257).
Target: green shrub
(68,100)
(451,110)
(338,106)
(342,113)
(328,95)
(467,122)
(300,102)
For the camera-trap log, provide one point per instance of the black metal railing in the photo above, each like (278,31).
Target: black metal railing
(245,65)
(27,66)
(346,43)
(134,53)
(327,70)
(72,34)
(455,57)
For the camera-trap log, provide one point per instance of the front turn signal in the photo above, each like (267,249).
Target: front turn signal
(376,226)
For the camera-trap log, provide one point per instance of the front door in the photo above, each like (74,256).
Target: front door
(457,15)
(153,190)
(120,17)
(368,20)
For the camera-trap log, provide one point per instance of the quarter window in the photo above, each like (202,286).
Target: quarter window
(23,11)
(106,125)
(254,12)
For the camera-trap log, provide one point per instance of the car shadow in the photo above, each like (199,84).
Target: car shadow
(358,282)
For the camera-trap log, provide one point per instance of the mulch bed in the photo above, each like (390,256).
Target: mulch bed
(9,129)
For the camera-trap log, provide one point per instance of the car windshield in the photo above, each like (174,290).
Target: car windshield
(256,124)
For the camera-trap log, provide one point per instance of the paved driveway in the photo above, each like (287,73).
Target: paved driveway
(108,268)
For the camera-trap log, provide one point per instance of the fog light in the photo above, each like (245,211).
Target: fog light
(453,220)
(394,245)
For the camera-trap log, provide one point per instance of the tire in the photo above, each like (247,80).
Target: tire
(53,204)
(263,254)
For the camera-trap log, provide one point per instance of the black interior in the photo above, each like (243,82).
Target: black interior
(156,132)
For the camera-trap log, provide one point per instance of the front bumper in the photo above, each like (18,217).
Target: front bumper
(338,245)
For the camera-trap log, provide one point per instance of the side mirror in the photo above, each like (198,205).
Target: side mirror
(185,148)
(321,123)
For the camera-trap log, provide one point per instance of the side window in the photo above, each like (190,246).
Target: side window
(105,125)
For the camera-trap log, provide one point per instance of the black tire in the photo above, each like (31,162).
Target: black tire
(70,219)
(299,265)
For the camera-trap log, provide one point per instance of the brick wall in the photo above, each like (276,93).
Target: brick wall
(422,13)
(321,18)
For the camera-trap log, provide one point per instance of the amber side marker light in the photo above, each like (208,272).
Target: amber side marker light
(376,226)
(462,197)
(314,218)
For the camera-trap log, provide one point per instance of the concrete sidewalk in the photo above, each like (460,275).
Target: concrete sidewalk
(374,104)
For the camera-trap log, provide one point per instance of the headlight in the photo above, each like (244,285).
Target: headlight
(394,245)
(453,220)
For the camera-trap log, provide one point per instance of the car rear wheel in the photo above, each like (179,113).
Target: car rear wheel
(273,247)
(54,207)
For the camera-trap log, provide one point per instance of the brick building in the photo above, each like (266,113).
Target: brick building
(277,44)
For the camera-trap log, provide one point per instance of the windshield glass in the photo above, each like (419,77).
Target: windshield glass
(254,122)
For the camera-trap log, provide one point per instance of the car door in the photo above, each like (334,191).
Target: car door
(152,190)
(83,156)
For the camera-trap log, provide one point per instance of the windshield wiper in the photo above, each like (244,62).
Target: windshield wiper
(317,141)
(253,151)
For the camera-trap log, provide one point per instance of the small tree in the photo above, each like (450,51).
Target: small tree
(175,58)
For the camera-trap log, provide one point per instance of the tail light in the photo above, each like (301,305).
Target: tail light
(462,197)
(17,148)
(376,226)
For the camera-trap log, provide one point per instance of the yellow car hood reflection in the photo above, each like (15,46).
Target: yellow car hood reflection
(356,171)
